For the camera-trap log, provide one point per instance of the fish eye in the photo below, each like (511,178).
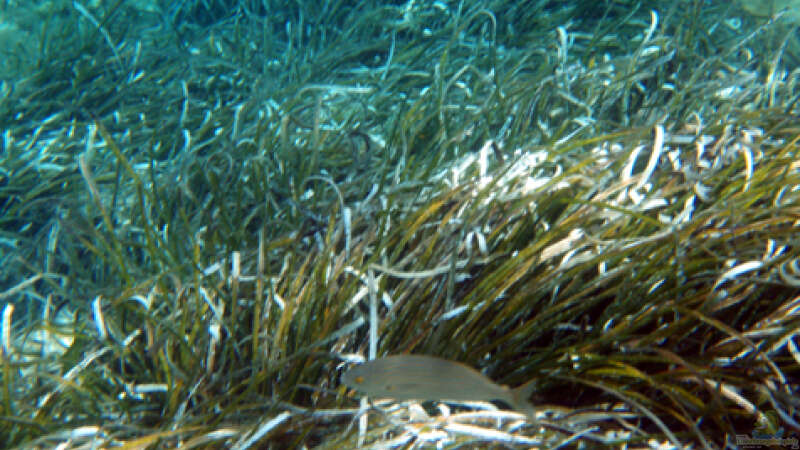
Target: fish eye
(359,379)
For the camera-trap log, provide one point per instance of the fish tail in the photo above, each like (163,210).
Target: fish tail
(520,400)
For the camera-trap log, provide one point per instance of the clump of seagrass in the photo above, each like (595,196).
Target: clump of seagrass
(603,201)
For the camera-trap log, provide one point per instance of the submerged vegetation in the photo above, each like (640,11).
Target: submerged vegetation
(209,209)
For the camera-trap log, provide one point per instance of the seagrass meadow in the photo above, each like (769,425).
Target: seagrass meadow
(209,210)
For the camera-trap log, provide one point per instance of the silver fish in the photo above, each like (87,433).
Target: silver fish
(420,377)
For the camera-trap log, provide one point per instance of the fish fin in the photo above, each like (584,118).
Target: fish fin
(524,391)
(520,396)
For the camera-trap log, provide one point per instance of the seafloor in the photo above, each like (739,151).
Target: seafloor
(209,209)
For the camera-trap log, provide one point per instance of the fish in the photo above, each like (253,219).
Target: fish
(767,8)
(424,378)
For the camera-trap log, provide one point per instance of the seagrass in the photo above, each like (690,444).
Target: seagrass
(209,213)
